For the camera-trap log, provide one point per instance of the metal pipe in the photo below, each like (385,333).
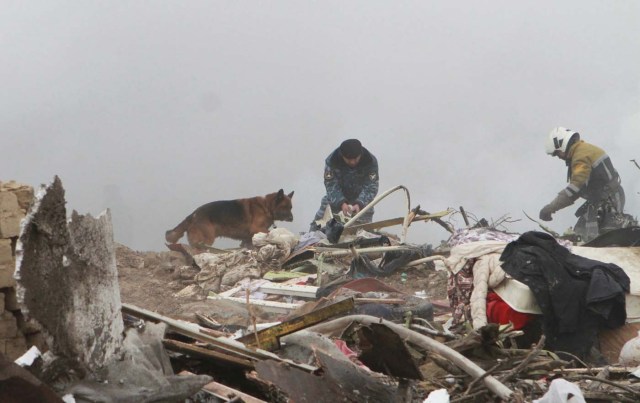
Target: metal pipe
(375,201)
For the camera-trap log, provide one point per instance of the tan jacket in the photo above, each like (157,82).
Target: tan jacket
(591,174)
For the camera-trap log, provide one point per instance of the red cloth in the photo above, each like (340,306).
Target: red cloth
(351,355)
(500,312)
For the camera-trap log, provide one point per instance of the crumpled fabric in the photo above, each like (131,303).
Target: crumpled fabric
(466,235)
(226,269)
(483,260)
(459,289)
(280,237)
(309,239)
(459,255)
(487,274)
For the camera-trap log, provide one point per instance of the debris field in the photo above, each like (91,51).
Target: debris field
(363,316)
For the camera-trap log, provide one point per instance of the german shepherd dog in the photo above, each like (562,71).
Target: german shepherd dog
(237,219)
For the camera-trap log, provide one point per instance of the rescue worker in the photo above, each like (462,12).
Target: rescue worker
(351,181)
(591,175)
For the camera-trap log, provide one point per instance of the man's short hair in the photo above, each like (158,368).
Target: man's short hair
(351,148)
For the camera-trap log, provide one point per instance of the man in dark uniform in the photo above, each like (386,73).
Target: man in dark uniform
(351,180)
(591,175)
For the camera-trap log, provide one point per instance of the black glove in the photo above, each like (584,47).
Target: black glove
(545,213)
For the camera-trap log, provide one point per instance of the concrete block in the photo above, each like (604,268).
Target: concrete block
(10,224)
(6,276)
(8,325)
(10,215)
(6,253)
(24,193)
(9,203)
(15,347)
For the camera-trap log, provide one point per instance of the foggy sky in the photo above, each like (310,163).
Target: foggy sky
(152,108)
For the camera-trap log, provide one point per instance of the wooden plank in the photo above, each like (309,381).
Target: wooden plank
(225,392)
(269,306)
(612,340)
(230,292)
(201,352)
(282,275)
(230,394)
(396,301)
(231,347)
(304,291)
(269,337)
(214,333)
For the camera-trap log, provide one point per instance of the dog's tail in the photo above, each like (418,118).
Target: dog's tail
(173,235)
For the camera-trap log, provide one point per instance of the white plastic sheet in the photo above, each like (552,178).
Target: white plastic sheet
(562,391)
(438,396)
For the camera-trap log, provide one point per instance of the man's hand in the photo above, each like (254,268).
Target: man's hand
(350,209)
(561,201)
(545,213)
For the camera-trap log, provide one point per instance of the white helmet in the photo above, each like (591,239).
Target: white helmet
(558,140)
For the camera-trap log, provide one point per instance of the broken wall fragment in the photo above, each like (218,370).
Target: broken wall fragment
(67,279)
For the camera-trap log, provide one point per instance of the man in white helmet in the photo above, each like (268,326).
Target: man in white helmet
(591,175)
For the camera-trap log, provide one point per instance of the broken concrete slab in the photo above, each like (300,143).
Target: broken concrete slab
(67,279)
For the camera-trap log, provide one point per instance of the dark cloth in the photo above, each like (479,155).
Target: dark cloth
(576,295)
(352,185)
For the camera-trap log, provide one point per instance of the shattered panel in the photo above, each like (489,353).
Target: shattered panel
(341,381)
(67,279)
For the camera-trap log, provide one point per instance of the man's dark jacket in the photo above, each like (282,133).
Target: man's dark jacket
(358,185)
(576,295)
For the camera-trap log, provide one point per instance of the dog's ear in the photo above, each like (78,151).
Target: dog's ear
(290,195)
(280,195)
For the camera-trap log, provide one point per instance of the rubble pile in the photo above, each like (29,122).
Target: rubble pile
(364,317)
